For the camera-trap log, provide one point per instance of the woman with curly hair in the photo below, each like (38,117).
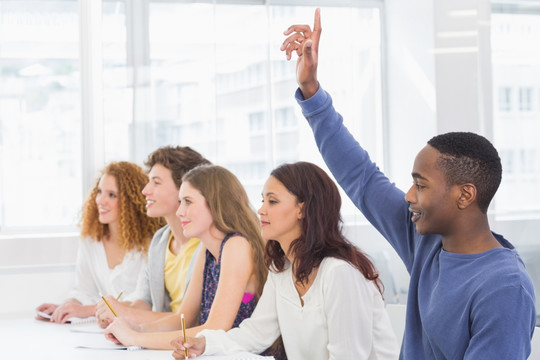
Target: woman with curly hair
(323,294)
(115,233)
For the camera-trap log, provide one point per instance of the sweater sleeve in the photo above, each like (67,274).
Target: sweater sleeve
(502,325)
(369,189)
(255,334)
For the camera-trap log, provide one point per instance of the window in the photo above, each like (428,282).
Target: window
(525,99)
(516,65)
(40,115)
(505,99)
(242,78)
(227,92)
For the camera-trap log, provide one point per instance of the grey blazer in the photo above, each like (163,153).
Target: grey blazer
(151,285)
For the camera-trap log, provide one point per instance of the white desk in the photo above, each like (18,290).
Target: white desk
(32,339)
(28,338)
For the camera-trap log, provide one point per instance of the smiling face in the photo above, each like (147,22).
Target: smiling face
(161,193)
(280,214)
(193,211)
(433,203)
(107,199)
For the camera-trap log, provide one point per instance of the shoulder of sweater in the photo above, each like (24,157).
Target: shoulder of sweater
(158,235)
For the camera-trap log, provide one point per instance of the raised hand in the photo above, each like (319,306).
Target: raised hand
(305,42)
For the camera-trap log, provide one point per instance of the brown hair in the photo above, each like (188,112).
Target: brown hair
(321,225)
(178,159)
(231,211)
(136,228)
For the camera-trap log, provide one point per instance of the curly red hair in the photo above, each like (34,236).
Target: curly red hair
(136,228)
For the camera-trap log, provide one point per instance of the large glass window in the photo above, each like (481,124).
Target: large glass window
(516,110)
(40,119)
(143,74)
(226,89)
(516,68)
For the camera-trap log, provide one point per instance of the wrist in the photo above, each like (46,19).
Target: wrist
(90,310)
(142,327)
(137,338)
(309,89)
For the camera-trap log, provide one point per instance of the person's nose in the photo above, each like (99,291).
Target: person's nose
(410,196)
(179,211)
(262,209)
(146,189)
(100,199)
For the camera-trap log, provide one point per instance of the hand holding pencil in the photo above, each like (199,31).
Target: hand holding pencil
(184,346)
(104,310)
(184,335)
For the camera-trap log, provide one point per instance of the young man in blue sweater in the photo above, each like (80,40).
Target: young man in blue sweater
(469,294)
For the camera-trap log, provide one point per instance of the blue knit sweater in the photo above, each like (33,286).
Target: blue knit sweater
(460,306)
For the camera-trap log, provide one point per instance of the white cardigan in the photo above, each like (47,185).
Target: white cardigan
(93,277)
(343,317)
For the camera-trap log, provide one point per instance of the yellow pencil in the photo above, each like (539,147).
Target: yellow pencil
(184,334)
(109,305)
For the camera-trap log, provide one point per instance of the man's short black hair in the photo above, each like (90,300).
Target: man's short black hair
(470,158)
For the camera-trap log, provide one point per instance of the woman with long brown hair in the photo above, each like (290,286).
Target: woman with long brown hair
(323,294)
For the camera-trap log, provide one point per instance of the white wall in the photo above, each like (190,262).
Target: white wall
(24,288)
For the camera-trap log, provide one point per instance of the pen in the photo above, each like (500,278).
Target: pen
(184,334)
(109,305)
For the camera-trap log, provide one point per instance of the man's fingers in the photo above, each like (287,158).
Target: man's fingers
(295,38)
(293,47)
(317,22)
(307,47)
(317,30)
(304,29)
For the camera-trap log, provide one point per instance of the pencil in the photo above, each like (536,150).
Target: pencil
(118,297)
(109,305)
(184,334)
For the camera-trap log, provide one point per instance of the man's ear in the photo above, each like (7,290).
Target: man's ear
(467,195)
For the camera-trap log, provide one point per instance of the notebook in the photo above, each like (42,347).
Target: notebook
(98,342)
(72,320)
(239,356)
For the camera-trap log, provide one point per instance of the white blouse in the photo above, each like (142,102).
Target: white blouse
(94,278)
(343,317)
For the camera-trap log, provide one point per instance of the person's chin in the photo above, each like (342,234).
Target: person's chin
(423,230)
(152,213)
(420,229)
(104,220)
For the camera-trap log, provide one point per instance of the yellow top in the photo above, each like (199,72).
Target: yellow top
(176,269)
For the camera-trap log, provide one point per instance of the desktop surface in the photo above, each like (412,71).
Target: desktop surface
(33,339)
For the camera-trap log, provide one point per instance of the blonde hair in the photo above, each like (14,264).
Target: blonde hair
(231,211)
(136,228)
